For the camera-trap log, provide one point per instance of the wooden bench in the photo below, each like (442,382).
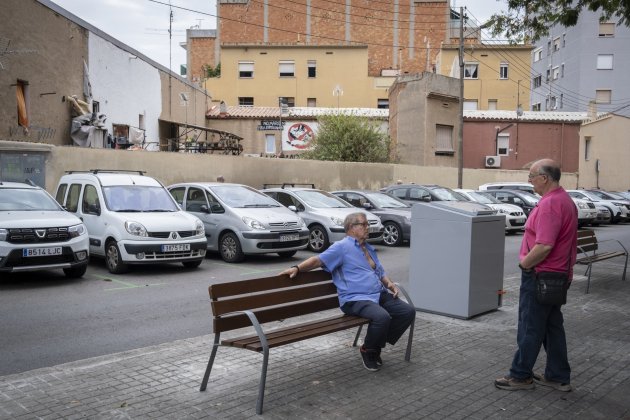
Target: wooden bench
(589,253)
(253,302)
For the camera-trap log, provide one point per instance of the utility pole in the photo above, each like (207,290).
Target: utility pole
(460,148)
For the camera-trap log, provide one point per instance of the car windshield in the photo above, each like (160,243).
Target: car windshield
(26,199)
(239,196)
(528,198)
(387,201)
(321,199)
(138,198)
(483,198)
(445,194)
(590,195)
(605,196)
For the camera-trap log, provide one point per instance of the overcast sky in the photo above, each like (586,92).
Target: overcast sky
(144,24)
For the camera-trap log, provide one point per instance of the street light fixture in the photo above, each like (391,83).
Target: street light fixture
(337,91)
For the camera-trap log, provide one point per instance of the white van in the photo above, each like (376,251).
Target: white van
(521,186)
(131,219)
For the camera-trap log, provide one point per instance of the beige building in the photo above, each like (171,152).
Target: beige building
(495,76)
(304,76)
(604,153)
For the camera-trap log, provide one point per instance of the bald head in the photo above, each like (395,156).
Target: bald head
(547,167)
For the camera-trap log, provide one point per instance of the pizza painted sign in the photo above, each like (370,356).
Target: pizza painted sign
(298,136)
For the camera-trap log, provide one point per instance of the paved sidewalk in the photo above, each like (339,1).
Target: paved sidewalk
(451,373)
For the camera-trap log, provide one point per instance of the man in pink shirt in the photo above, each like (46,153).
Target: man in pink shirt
(549,244)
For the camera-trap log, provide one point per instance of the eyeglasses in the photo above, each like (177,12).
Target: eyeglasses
(364,224)
(532,176)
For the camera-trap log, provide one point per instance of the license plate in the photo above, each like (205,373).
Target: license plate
(290,237)
(176,247)
(41,252)
(520,220)
(373,229)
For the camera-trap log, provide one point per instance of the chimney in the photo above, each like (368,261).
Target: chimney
(592,110)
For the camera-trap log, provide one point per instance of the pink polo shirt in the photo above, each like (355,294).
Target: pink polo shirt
(553,222)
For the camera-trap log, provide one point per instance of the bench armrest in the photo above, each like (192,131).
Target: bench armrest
(257,327)
(404,292)
(615,240)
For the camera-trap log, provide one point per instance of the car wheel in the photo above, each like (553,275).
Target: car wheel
(75,272)
(192,264)
(287,254)
(392,234)
(230,248)
(318,239)
(113,259)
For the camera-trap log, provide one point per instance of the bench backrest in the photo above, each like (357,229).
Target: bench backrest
(271,298)
(587,241)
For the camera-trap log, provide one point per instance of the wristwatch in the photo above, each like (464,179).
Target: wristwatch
(523,268)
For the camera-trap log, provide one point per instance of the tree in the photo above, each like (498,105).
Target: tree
(213,72)
(530,20)
(348,138)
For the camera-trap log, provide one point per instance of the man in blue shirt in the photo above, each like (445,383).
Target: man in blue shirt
(363,287)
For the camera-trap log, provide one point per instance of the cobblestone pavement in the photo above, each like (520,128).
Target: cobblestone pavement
(451,373)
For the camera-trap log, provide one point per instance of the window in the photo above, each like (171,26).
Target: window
(444,140)
(587,147)
(312,68)
(607,29)
(270,143)
(603,96)
(561,101)
(537,81)
(246,69)
(537,55)
(195,199)
(311,102)
(470,105)
(492,104)
(562,70)
(553,104)
(72,200)
(245,101)
(382,103)
(141,124)
(604,62)
(564,40)
(287,100)
(549,47)
(471,70)
(555,73)
(556,44)
(21,94)
(548,75)
(503,144)
(536,106)
(503,71)
(96,106)
(287,68)
(90,203)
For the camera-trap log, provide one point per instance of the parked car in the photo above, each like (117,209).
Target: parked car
(603,215)
(617,210)
(36,233)
(605,195)
(624,194)
(240,220)
(414,193)
(324,214)
(395,214)
(131,219)
(519,186)
(514,216)
(523,199)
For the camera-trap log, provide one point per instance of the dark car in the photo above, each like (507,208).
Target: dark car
(414,193)
(395,214)
(523,199)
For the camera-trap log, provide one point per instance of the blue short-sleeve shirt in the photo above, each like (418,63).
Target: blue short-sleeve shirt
(352,275)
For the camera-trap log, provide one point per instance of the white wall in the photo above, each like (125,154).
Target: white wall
(124,86)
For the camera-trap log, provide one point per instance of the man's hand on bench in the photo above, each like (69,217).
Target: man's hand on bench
(306,265)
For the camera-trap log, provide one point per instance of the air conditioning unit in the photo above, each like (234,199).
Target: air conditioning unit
(493,161)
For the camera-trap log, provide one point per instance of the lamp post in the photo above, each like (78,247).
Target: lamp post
(184,97)
(337,91)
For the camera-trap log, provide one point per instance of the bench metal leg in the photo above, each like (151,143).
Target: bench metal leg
(588,282)
(410,340)
(356,337)
(624,269)
(206,375)
(263,379)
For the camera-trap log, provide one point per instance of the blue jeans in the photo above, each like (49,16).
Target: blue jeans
(389,319)
(539,325)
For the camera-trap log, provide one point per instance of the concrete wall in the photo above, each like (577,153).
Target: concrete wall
(180,167)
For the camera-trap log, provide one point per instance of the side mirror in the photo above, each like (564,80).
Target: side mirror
(292,208)
(426,198)
(204,209)
(216,208)
(367,205)
(94,209)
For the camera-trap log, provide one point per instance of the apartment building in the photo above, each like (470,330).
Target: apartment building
(577,65)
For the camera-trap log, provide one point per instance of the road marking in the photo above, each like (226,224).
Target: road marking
(126,285)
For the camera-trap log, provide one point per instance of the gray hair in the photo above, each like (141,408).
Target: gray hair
(552,171)
(351,219)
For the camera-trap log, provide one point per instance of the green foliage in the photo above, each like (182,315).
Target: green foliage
(213,72)
(349,138)
(530,20)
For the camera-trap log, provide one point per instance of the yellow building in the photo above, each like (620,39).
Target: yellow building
(304,76)
(495,76)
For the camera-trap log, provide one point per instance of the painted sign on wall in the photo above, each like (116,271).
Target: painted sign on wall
(297,136)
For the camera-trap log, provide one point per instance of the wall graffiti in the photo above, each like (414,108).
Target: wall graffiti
(34,131)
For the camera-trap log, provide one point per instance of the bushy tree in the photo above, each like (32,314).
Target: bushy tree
(530,20)
(348,138)
(213,72)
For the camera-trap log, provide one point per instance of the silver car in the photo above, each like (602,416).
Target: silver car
(240,220)
(324,214)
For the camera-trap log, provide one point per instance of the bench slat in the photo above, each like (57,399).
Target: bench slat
(599,257)
(296,333)
(221,290)
(271,298)
(230,322)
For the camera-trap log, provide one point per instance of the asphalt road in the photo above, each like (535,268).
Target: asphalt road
(47,319)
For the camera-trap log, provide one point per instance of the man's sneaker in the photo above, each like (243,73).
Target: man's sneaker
(513,384)
(379,361)
(560,386)
(369,359)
